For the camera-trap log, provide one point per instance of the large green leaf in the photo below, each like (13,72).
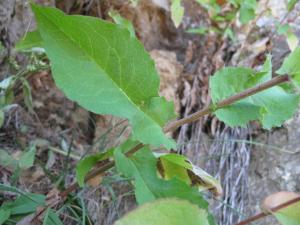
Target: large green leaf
(271,107)
(148,187)
(289,215)
(166,212)
(106,70)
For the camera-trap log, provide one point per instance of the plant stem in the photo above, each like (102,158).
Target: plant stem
(264,214)
(209,109)
(98,171)
(193,117)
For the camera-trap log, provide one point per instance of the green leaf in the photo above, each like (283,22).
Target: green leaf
(4,215)
(200,30)
(247,11)
(292,40)
(177,12)
(51,218)
(27,158)
(27,95)
(118,19)
(283,29)
(291,66)
(174,165)
(134,2)
(291,4)
(6,91)
(7,160)
(104,69)
(30,40)
(85,165)
(229,33)
(148,187)
(271,107)
(26,203)
(4,187)
(289,215)
(2,117)
(166,212)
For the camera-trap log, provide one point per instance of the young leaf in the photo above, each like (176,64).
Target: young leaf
(291,4)
(271,107)
(27,95)
(31,40)
(148,187)
(104,69)
(118,19)
(84,165)
(51,218)
(134,2)
(200,30)
(177,12)
(7,160)
(283,29)
(229,33)
(166,212)
(247,11)
(174,165)
(292,40)
(27,158)
(4,215)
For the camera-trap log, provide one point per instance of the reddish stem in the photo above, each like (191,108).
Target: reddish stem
(264,214)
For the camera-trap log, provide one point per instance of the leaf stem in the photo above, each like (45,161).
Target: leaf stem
(193,117)
(264,214)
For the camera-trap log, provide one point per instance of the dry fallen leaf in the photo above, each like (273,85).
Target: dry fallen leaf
(95,181)
(277,199)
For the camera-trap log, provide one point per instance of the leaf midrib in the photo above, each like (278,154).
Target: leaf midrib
(91,58)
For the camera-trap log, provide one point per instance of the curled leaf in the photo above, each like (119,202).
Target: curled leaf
(148,186)
(174,165)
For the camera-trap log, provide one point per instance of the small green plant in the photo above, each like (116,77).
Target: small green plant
(104,68)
